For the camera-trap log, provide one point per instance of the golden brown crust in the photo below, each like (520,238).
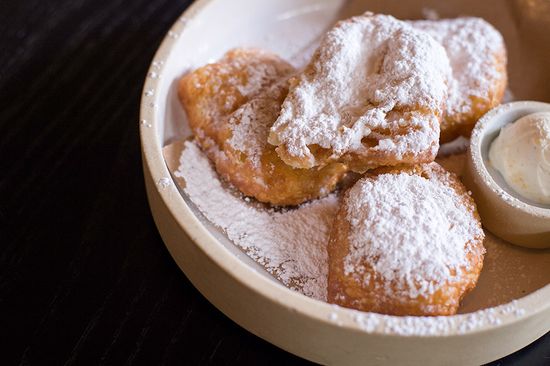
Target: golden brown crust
(346,290)
(214,91)
(461,124)
(269,179)
(215,104)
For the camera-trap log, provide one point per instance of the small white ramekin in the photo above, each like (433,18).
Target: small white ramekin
(502,211)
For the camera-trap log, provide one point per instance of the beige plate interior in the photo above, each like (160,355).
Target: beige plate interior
(244,291)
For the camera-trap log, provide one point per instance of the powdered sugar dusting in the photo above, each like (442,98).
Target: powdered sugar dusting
(472,45)
(240,75)
(251,122)
(290,244)
(301,265)
(437,325)
(364,70)
(259,74)
(412,230)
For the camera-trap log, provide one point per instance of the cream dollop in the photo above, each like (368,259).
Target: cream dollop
(521,153)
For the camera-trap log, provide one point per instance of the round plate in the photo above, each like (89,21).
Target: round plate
(236,285)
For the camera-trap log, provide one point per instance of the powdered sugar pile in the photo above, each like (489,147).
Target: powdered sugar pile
(290,244)
(412,231)
(472,45)
(364,68)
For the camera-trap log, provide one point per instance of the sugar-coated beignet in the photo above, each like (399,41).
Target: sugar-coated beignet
(231,105)
(212,92)
(253,166)
(371,96)
(477,54)
(405,242)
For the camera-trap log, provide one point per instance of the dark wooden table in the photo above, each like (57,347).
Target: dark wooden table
(85,277)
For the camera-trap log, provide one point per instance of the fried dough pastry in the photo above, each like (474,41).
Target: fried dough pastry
(405,242)
(231,105)
(371,96)
(211,93)
(477,54)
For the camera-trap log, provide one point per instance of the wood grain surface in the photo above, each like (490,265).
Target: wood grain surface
(84,276)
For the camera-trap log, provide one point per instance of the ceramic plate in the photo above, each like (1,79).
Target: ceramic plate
(511,305)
